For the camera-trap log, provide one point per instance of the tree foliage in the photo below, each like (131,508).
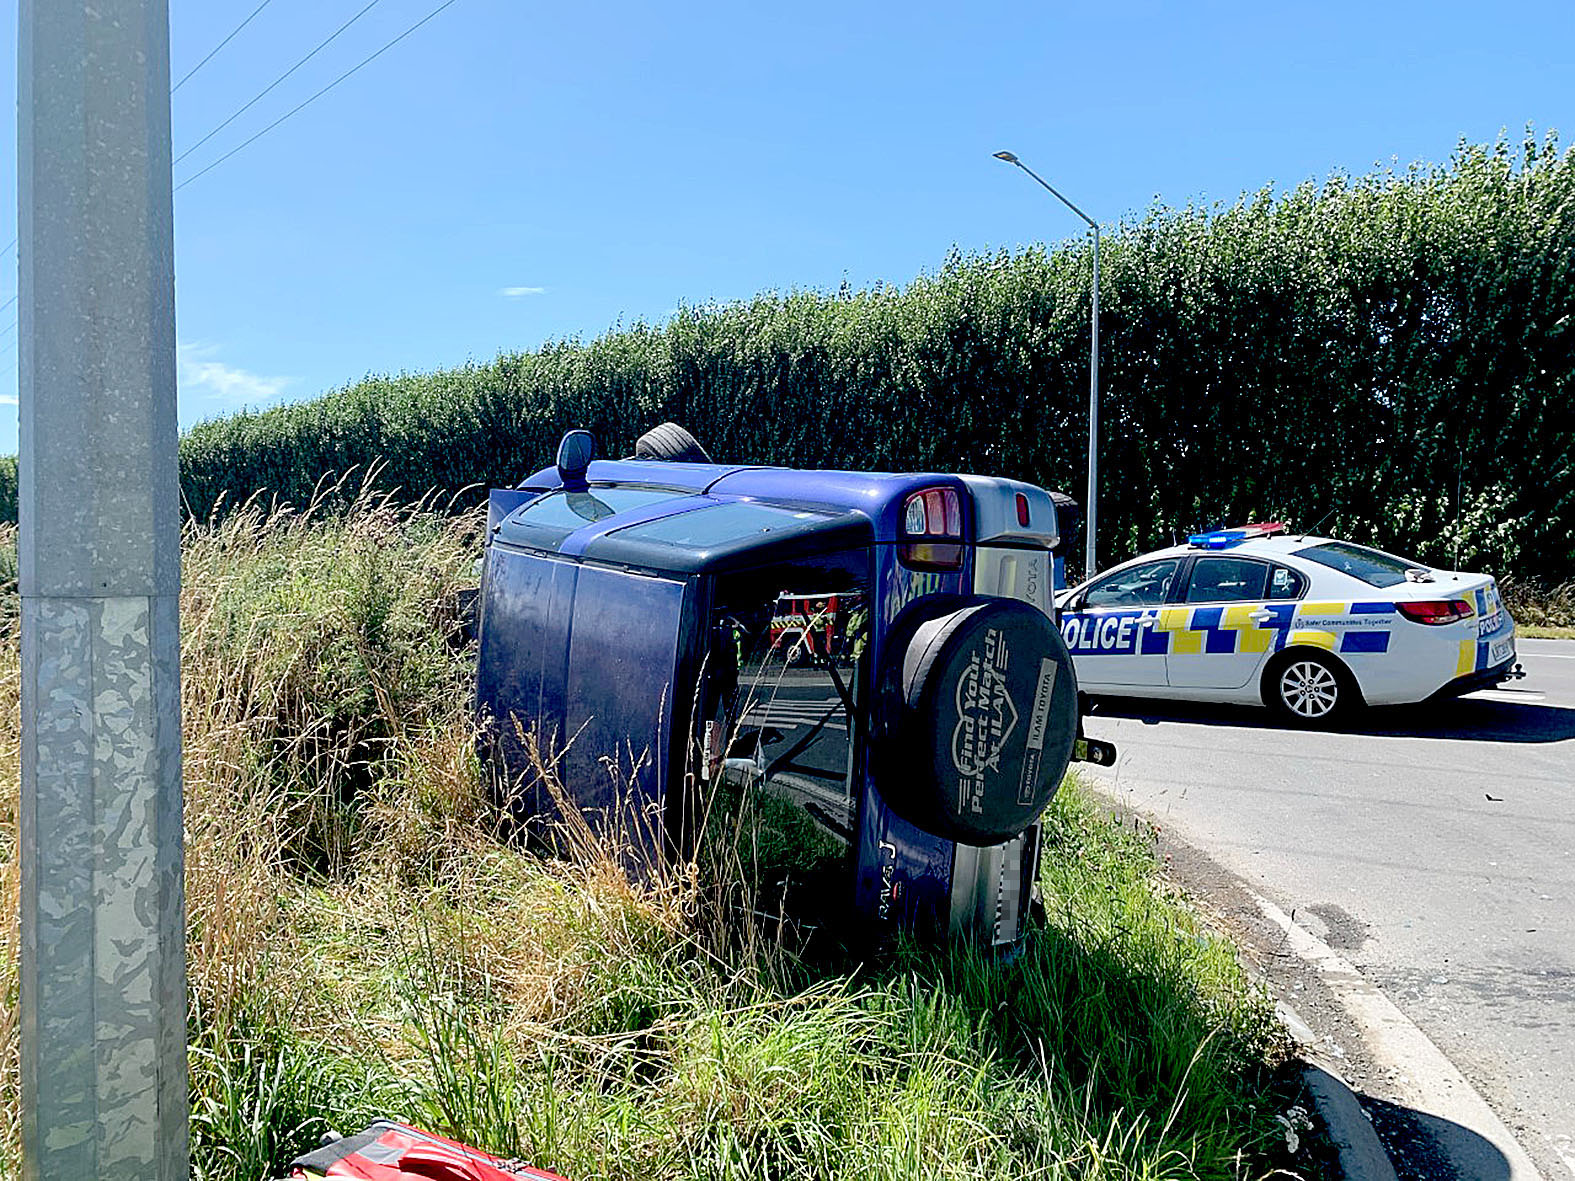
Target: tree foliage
(1389,356)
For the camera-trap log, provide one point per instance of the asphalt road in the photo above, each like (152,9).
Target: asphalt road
(1433,845)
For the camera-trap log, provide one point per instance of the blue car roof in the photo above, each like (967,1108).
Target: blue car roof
(691,477)
(879,496)
(682,533)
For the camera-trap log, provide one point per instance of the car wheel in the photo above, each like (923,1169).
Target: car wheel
(672,443)
(1309,688)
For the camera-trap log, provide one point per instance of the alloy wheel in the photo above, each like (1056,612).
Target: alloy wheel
(1309,689)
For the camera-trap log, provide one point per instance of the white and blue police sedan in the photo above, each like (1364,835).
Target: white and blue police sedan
(1309,626)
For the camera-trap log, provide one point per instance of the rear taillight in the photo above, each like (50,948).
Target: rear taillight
(932,530)
(1022,511)
(1436,611)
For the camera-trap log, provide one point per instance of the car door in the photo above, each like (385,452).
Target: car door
(1230,625)
(1110,628)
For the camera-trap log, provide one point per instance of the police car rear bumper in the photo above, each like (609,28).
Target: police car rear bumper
(1510,670)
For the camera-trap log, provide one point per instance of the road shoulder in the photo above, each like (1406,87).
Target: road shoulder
(1433,1124)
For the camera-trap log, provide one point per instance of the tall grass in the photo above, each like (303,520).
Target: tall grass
(363,941)
(1540,605)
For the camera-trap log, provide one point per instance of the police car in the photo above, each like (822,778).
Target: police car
(1309,626)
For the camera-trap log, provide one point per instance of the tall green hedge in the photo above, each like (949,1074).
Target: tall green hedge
(8,488)
(1391,356)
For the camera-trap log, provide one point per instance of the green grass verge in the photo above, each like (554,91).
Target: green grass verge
(561,1017)
(1536,632)
(362,943)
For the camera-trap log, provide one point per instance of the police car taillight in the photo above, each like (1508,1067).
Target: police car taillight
(1436,611)
(932,529)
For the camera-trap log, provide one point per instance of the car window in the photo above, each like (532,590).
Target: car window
(722,523)
(1136,586)
(1371,566)
(1226,580)
(571,510)
(1285,583)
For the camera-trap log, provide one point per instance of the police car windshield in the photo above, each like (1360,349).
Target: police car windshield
(1369,565)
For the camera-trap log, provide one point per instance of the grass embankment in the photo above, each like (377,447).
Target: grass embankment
(361,942)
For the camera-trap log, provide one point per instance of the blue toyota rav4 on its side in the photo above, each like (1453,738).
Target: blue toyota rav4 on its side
(871,658)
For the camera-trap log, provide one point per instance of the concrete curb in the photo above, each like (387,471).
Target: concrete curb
(1362,1155)
(1471,1132)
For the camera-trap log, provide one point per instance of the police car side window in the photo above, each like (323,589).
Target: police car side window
(1226,580)
(1285,583)
(1138,586)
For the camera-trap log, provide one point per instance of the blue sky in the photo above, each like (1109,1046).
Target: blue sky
(515,172)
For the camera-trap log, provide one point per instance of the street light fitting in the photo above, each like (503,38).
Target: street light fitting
(1091,517)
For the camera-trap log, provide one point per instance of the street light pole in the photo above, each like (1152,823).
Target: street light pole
(1092,508)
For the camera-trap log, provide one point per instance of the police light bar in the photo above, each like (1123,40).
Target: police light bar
(1225,538)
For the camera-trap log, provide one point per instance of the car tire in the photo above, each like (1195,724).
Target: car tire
(670,442)
(1307,687)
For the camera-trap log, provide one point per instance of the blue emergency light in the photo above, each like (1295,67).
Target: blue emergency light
(1225,538)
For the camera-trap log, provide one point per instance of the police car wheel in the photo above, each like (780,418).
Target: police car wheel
(1308,688)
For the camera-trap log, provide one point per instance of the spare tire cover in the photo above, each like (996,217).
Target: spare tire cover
(981,713)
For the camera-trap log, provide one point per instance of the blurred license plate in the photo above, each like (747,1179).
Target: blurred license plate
(1500,650)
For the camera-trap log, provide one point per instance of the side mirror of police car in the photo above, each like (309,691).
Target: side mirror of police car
(575,452)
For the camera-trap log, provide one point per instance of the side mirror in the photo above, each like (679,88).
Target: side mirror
(575,452)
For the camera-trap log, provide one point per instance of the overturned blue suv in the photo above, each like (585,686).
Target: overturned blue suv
(868,661)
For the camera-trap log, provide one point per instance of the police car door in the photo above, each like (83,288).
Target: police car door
(1226,627)
(1111,628)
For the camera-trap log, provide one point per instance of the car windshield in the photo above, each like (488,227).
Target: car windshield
(1371,566)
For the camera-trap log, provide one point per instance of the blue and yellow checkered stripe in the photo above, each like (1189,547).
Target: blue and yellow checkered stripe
(1476,654)
(1346,628)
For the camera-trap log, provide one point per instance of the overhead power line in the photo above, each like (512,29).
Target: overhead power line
(288,114)
(6,250)
(293,111)
(321,45)
(220,46)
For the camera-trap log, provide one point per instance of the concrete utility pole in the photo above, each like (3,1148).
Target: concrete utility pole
(103,1011)
(1091,515)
